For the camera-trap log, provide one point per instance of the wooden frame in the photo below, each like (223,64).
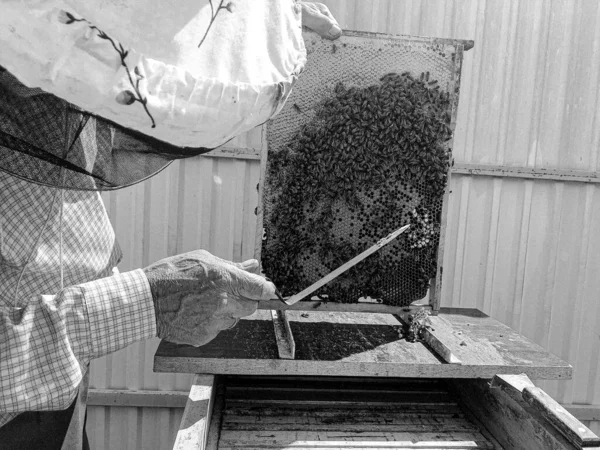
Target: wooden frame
(194,426)
(432,300)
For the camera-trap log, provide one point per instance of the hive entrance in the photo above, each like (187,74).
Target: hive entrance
(361,148)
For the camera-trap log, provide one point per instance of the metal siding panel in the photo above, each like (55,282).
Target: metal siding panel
(530,88)
(526,252)
(127,428)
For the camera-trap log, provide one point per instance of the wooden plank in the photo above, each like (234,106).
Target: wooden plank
(234,152)
(341,396)
(305,392)
(513,385)
(193,429)
(366,445)
(491,170)
(286,346)
(337,383)
(436,343)
(323,306)
(565,422)
(416,427)
(369,445)
(509,421)
(330,421)
(324,439)
(266,409)
(354,344)
(434,338)
(294,392)
(520,387)
(479,339)
(333,403)
(346,416)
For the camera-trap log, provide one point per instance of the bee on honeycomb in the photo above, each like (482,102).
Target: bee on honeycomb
(370,160)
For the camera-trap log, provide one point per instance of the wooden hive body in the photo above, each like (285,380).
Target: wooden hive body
(301,413)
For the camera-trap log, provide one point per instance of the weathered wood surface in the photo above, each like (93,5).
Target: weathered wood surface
(491,170)
(193,429)
(438,345)
(558,416)
(286,345)
(521,388)
(271,413)
(435,340)
(515,424)
(352,344)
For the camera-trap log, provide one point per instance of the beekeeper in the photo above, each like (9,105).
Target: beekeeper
(97,96)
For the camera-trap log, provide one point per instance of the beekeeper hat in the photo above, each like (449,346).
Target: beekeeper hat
(89,86)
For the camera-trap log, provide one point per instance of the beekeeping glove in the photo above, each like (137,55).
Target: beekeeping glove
(197,294)
(317,17)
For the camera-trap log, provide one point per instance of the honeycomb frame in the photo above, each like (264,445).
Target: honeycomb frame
(364,58)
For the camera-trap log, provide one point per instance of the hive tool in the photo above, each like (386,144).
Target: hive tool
(334,274)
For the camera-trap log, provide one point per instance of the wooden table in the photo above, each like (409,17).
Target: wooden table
(363,345)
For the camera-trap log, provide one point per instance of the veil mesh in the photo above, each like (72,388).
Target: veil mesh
(46,140)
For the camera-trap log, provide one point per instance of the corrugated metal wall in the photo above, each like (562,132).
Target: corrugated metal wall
(525,251)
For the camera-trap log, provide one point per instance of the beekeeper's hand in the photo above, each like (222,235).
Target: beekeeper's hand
(196,295)
(317,17)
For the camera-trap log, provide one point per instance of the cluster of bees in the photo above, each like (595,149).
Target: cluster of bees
(371,160)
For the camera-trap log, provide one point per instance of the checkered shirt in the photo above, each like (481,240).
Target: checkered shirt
(49,334)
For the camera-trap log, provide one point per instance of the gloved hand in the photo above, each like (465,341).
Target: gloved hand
(317,17)
(196,295)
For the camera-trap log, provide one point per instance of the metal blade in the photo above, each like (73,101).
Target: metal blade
(337,272)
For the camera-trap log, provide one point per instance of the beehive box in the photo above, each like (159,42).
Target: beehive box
(362,147)
(507,412)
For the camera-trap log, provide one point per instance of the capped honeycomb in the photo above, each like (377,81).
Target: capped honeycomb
(361,148)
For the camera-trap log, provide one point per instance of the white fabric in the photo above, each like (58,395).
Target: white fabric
(197,97)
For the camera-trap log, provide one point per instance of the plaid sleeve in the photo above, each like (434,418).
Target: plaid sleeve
(45,347)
